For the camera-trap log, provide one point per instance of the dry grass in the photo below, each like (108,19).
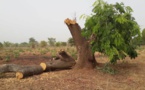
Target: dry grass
(130,76)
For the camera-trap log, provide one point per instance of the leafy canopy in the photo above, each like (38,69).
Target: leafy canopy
(110,29)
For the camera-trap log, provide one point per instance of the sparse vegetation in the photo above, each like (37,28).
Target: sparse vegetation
(110,30)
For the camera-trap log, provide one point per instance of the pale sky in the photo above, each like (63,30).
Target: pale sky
(40,19)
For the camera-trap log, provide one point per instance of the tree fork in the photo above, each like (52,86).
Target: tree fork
(86,58)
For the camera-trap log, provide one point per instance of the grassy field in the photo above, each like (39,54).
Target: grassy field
(125,75)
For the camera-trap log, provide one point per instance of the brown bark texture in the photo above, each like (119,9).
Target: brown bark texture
(29,71)
(85,56)
(62,61)
(21,70)
(10,68)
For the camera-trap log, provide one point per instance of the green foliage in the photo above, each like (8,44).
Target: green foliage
(107,69)
(51,41)
(137,41)
(24,44)
(71,42)
(63,43)
(43,44)
(1,46)
(60,44)
(143,35)
(16,53)
(110,29)
(7,44)
(7,58)
(32,42)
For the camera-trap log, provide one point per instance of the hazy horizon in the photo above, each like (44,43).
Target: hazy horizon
(41,19)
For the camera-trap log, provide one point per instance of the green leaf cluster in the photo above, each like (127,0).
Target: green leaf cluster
(143,35)
(113,28)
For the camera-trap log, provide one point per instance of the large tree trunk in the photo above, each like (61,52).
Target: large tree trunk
(86,58)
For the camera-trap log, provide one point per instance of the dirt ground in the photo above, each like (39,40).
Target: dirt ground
(130,76)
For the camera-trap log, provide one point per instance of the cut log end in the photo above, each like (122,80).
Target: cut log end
(69,21)
(43,65)
(19,75)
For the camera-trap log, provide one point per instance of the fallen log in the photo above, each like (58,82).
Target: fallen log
(62,61)
(29,71)
(57,64)
(21,70)
(10,68)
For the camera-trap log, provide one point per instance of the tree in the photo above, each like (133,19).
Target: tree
(143,35)
(58,44)
(63,43)
(32,42)
(43,43)
(71,42)
(24,44)
(109,30)
(15,45)
(1,46)
(7,44)
(51,41)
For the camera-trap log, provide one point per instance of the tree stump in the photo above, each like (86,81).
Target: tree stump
(86,58)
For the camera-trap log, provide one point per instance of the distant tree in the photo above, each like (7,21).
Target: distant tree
(51,41)
(32,42)
(1,46)
(143,35)
(60,44)
(15,45)
(63,43)
(71,42)
(43,44)
(24,44)
(7,44)
(136,41)
(57,44)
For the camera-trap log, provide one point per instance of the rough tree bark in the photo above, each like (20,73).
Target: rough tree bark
(29,71)
(21,70)
(86,58)
(62,61)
